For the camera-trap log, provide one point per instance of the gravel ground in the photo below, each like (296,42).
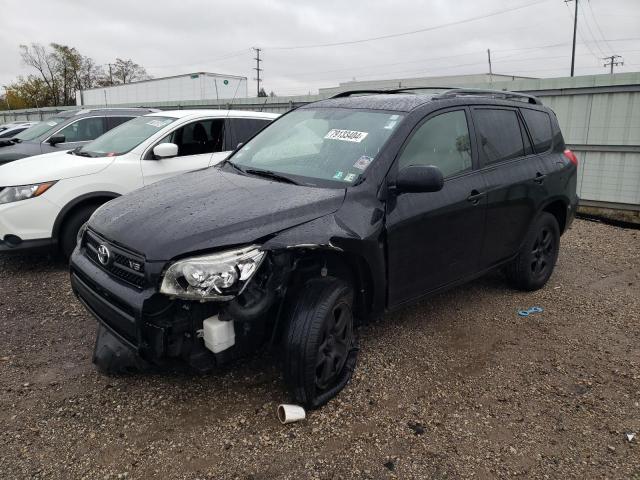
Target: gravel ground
(458,386)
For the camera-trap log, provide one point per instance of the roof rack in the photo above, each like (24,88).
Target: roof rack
(476,92)
(349,93)
(451,92)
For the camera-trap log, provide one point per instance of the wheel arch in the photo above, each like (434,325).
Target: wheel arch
(558,208)
(79,202)
(348,266)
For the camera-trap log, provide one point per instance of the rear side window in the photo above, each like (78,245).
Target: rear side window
(499,133)
(539,124)
(243,129)
(442,141)
(83,130)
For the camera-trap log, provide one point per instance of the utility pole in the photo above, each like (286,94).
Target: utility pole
(257,68)
(110,75)
(612,61)
(490,71)
(575,29)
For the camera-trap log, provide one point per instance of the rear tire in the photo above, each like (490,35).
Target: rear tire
(320,349)
(70,228)
(535,262)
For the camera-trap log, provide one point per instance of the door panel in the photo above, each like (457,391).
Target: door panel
(434,238)
(514,179)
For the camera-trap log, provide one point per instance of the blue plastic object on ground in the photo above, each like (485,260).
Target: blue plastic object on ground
(526,313)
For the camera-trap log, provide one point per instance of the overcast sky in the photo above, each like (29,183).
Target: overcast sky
(171,38)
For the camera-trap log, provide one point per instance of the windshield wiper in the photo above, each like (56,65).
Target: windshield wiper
(271,175)
(80,153)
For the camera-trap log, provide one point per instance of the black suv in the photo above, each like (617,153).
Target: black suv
(335,213)
(66,131)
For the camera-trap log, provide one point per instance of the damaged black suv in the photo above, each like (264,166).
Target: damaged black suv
(334,214)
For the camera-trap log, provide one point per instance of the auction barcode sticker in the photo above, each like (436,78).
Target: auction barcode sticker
(346,135)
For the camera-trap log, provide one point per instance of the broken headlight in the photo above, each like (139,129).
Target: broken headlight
(220,276)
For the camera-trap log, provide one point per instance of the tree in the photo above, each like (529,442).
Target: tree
(61,71)
(126,71)
(262,93)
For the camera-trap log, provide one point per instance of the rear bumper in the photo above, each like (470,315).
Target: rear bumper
(572,209)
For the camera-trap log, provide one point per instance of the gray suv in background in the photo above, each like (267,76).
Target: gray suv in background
(65,131)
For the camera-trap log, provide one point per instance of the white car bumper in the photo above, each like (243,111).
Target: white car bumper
(27,224)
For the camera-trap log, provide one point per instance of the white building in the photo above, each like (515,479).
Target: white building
(188,87)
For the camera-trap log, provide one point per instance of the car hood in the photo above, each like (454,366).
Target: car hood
(207,209)
(48,167)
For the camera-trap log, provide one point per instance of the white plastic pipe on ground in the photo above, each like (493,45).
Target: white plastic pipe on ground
(290,413)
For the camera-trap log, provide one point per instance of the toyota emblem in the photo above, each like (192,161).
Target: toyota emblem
(104,255)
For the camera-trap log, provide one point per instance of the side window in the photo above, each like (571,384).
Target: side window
(197,138)
(83,130)
(113,122)
(245,128)
(539,124)
(442,141)
(499,134)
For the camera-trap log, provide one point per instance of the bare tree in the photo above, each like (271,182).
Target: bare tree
(127,71)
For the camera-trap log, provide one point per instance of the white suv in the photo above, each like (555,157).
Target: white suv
(44,200)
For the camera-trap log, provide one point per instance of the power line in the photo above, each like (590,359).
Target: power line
(591,34)
(595,21)
(411,32)
(237,53)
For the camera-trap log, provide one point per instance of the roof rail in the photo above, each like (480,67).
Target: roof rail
(476,92)
(348,93)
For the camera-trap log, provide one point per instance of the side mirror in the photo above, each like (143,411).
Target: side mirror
(165,150)
(419,178)
(56,139)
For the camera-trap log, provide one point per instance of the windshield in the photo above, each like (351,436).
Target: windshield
(41,128)
(125,137)
(327,144)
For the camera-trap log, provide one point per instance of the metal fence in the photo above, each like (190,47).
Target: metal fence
(599,116)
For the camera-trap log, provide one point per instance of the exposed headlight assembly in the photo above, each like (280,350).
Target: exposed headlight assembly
(217,277)
(23,192)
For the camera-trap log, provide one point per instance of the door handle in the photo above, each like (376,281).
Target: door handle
(475,196)
(539,178)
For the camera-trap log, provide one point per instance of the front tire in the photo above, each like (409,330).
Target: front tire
(320,350)
(535,262)
(70,228)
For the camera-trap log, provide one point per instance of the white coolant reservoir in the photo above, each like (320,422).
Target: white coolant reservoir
(218,335)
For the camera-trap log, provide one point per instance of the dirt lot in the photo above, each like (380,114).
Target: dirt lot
(458,386)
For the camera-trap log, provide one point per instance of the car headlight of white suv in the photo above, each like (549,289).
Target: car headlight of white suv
(23,192)
(220,276)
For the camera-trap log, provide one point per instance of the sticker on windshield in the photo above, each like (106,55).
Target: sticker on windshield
(350,178)
(390,124)
(159,123)
(363,162)
(338,175)
(346,135)
(52,124)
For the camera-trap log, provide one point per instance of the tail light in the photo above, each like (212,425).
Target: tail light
(571,156)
